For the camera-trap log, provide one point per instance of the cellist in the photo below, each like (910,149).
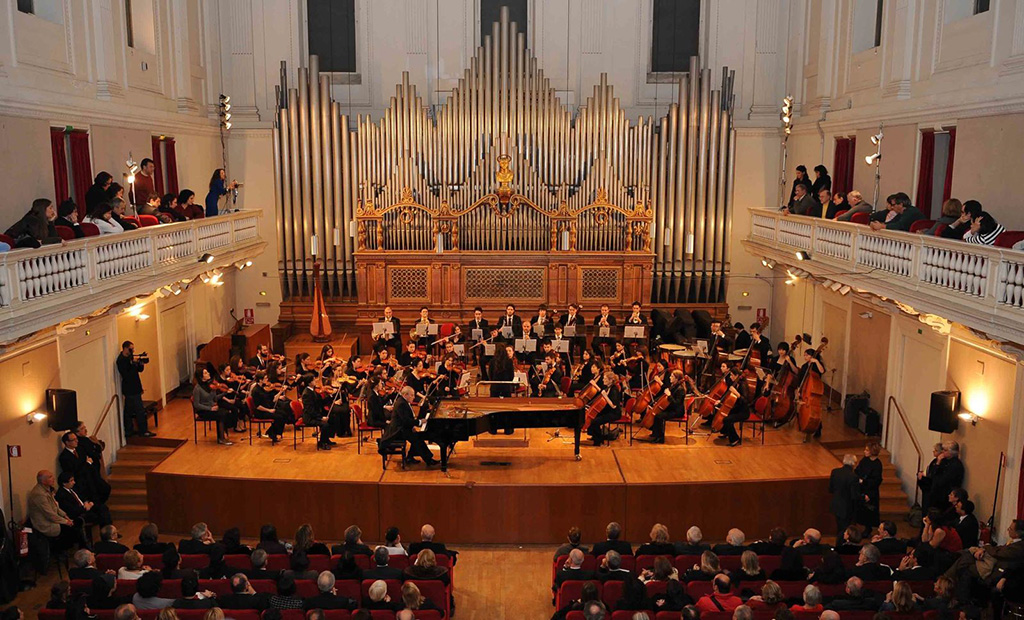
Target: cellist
(812,364)
(675,410)
(740,411)
(612,410)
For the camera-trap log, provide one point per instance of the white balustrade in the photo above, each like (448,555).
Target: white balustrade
(246,228)
(834,242)
(214,235)
(762,226)
(963,271)
(175,245)
(5,289)
(123,256)
(795,233)
(891,255)
(55,272)
(1010,283)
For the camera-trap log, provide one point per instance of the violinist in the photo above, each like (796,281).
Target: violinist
(270,402)
(306,370)
(328,361)
(603,320)
(584,372)
(386,363)
(612,411)
(420,378)
(548,382)
(458,361)
(425,339)
(617,360)
(573,318)
(447,382)
(675,410)
(395,340)
(204,402)
(376,415)
(636,317)
(262,357)
(239,368)
(502,368)
(231,397)
(541,322)
(407,357)
(740,411)
(812,364)
(316,399)
(509,319)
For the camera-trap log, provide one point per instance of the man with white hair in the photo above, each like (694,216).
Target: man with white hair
(694,544)
(200,543)
(856,598)
(328,597)
(733,544)
(573,570)
(857,205)
(743,612)
(869,567)
(844,485)
(611,568)
(402,429)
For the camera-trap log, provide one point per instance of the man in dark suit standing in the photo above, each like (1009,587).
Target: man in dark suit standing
(402,428)
(950,475)
(844,486)
(395,340)
(542,318)
(328,598)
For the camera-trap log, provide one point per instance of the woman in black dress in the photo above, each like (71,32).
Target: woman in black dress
(869,470)
(502,369)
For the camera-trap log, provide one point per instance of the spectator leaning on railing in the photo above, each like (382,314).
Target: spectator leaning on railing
(900,216)
(984,230)
(956,230)
(36,228)
(67,215)
(103,218)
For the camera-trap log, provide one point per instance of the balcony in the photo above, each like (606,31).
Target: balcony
(43,287)
(981,287)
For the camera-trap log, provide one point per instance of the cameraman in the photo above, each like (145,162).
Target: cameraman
(129,366)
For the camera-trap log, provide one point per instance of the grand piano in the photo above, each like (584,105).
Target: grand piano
(458,420)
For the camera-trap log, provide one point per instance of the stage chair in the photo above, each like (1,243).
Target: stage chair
(623,614)
(256,419)
(170,588)
(394,589)
(294,614)
(196,419)
(320,563)
(241,561)
(402,562)
(729,563)
(697,589)
(841,212)
(685,562)
(1009,238)
(626,421)
(278,561)
(362,428)
(194,560)
(570,591)
(654,588)
(110,561)
(392,449)
(299,425)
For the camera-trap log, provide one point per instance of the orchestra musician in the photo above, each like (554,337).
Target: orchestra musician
(477,337)
(548,382)
(204,402)
(509,319)
(502,368)
(585,372)
(605,319)
(760,343)
(527,335)
(636,317)
(742,339)
(395,340)
(675,410)
(575,319)
(740,411)
(407,357)
(637,367)
(262,357)
(318,412)
(376,414)
(231,397)
(567,357)
(386,363)
(270,402)
(447,382)
(785,358)
(239,368)
(720,342)
(425,339)
(402,429)
(611,412)
(813,364)
(420,378)
(541,323)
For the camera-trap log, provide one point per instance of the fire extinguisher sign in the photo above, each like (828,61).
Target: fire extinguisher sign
(13,452)
(249,316)
(762,314)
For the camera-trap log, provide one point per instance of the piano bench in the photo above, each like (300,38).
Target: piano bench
(396,449)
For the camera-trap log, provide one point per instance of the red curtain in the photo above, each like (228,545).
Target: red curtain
(60,165)
(924,174)
(172,166)
(158,172)
(81,167)
(842,166)
(947,188)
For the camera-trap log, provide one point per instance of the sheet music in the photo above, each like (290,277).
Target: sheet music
(421,329)
(569,331)
(521,378)
(476,334)
(432,329)
(506,331)
(387,328)
(525,345)
(604,331)
(538,329)
(460,349)
(561,346)
(489,349)
(633,331)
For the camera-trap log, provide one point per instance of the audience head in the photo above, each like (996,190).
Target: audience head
(743,612)
(850,460)
(902,597)
(944,587)
(68,209)
(972,208)
(690,612)
(132,560)
(148,585)
(952,208)
(258,559)
(103,179)
(200,531)
(965,507)
(790,559)
(933,517)
(984,223)
(662,568)
(312,614)
(829,614)
(813,536)
(614,559)
(45,478)
(613,531)
(771,592)
(268,533)
(694,535)
(215,614)
(239,583)
(812,596)
(777,536)
(427,559)
(392,536)
(575,558)
(1015,529)
(854,198)
(189,585)
(735,537)
(286,585)
(854,586)
(820,170)
(722,583)
(709,563)
(185,197)
(84,558)
(381,556)
(325,581)
(126,612)
(411,596)
(405,614)
(750,563)
(887,529)
(595,610)
(870,554)
(574,536)
(659,533)
(852,535)
(232,537)
(299,561)
(378,590)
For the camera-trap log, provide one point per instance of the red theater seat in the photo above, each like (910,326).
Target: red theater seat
(90,229)
(571,591)
(148,220)
(921,225)
(861,218)
(1008,238)
(437,592)
(65,233)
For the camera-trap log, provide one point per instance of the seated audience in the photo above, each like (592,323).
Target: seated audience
(962,225)
(706,570)
(126,612)
(85,566)
(856,598)
(59,594)
(674,598)
(305,540)
(611,568)
(286,597)
(733,544)
(850,545)
(147,592)
(967,524)
(900,216)
(171,566)
(148,541)
(917,566)
(830,571)
(133,567)
(347,567)
(986,566)
(836,205)
(791,566)
(587,593)
(191,597)
(67,215)
(353,542)
(770,597)
(269,541)
(102,216)
(232,542)
(328,597)
(118,214)
(413,600)
(721,597)
(612,542)
(169,209)
(80,510)
(97,192)
(857,205)
(812,601)
(243,596)
(869,567)
(944,596)
(200,543)
(427,542)
(693,544)
(750,569)
(984,229)
(101,594)
(380,569)
(802,203)
(660,543)
(634,596)
(661,570)
(810,543)
(572,570)
(36,227)
(217,568)
(259,567)
(108,544)
(48,519)
(187,205)
(951,210)
(572,542)
(299,567)
(393,542)
(380,599)
(901,599)
(940,536)
(774,545)
(426,567)
(886,541)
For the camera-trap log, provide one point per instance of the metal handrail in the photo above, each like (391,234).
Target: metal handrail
(103,418)
(906,425)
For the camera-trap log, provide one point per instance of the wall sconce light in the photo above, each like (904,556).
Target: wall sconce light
(866,315)
(967,416)
(767,263)
(206,258)
(803,255)
(36,416)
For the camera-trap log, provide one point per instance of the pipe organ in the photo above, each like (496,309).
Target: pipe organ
(503,191)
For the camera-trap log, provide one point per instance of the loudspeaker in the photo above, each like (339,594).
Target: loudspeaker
(942,417)
(62,409)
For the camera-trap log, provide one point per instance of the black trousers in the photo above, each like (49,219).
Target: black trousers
(282,413)
(730,422)
(135,421)
(607,416)
(417,447)
(658,428)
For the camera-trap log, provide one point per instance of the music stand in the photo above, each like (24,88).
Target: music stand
(506,331)
(476,335)
(560,346)
(489,349)
(388,329)
(538,329)
(632,332)
(604,331)
(569,331)
(525,345)
(460,349)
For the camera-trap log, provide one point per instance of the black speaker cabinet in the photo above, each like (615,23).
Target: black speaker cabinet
(942,417)
(62,409)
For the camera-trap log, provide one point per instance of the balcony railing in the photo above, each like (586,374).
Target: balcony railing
(979,286)
(58,282)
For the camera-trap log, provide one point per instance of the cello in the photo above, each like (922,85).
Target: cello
(718,392)
(809,393)
(781,399)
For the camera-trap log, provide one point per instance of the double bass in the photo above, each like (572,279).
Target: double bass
(809,394)
(781,399)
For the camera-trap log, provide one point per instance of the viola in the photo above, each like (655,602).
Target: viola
(810,391)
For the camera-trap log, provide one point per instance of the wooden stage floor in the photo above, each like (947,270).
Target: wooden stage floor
(511,495)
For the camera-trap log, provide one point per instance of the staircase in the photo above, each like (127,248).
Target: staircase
(127,477)
(893,502)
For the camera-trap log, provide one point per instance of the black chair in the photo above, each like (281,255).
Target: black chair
(386,451)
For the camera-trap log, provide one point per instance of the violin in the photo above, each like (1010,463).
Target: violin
(547,378)
(810,391)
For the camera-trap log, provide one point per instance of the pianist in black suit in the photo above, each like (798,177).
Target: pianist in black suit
(395,341)
(402,428)
(603,320)
(511,319)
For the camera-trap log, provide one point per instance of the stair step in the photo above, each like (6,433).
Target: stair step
(893,492)
(122,480)
(893,504)
(129,511)
(131,468)
(128,494)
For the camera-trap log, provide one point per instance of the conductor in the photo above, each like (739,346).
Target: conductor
(402,428)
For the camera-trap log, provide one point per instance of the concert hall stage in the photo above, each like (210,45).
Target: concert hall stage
(497,495)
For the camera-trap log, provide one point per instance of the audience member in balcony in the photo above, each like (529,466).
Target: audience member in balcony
(951,210)
(328,597)
(901,214)
(379,599)
(243,596)
(115,190)
(611,567)
(776,540)
(414,600)
(802,203)
(171,563)
(169,209)
(984,230)
(269,540)
(118,214)
(306,541)
(145,182)
(917,566)
(791,566)
(856,598)
(587,593)
(102,216)
(97,192)
(347,567)
(721,597)
(36,227)
(108,541)
(836,205)
(187,205)
(380,569)
(901,599)
(191,597)
(393,542)
(798,180)
(426,567)
(572,570)
(133,567)
(147,595)
(204,403)
(705,570)
(821,181)
(869,473)
(149,543)
(824,198)
(770,597)
(612,542)
(67,215)
(79,510)
(869,566)
(660,542)
(812,601)
(219,186)
(232,542)
(830,571)
(856,203)
(733,544)
(200,542)
(572,542)
(966,524)
(886,541)
(968,212)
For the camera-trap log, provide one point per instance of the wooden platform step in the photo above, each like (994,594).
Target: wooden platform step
(128,497)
